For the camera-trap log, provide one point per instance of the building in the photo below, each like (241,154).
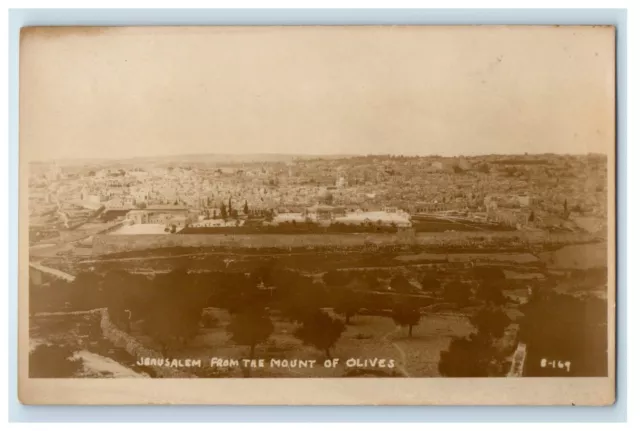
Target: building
(163,214)
(320,212)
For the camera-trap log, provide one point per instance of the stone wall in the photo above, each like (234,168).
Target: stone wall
(104,244)
(121,339)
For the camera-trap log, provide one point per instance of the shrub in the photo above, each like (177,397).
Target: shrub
(209,321)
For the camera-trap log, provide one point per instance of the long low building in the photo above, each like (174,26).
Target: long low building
(163,215)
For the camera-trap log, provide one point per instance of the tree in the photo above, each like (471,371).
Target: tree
(173,228)
(472,356)
(141,205)
(236,293)
(429,283)
(250,328)
(490,322)
(479,354)
(489,273)
(532,216)
(223,212)
(373,283)
(400,284)
(335,278)
(491,292)
(298,296)
(346,302)
(174,310)
(229,207)
(321,331)
(406,314)
(263,275)
(457,293)
(47,361)
(269,215)
(245,210)
(379,303)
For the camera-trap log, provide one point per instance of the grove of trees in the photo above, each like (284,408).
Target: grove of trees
(169,309)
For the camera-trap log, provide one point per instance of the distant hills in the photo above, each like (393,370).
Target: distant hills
(197,158)
(222,159)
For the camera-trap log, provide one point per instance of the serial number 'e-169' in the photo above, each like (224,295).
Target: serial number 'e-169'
(566,365)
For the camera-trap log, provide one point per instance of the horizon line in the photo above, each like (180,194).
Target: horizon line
(310,155)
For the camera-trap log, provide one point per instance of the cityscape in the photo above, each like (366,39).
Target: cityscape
(527,193)
(193,257)
(316,202)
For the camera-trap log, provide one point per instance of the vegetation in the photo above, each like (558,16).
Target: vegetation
(321,331)
(559,327)
(430,283)
(479,354)
(472,356)
(347,302)
(250,328)
(336,278)
(457,293)
(168,308)
(491,293)
(401,284)
(490,322)
(407,315)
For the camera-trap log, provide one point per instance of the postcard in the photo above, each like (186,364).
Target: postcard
(317,215)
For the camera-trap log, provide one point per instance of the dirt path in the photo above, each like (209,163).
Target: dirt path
(403,356)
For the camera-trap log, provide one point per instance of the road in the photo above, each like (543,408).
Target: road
(403,356)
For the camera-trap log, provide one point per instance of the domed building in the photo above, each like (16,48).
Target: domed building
(323,210)
(325,197)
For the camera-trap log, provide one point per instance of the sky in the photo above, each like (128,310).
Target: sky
(139,92)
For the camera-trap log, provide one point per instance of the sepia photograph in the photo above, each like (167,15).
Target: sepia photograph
(377,204)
